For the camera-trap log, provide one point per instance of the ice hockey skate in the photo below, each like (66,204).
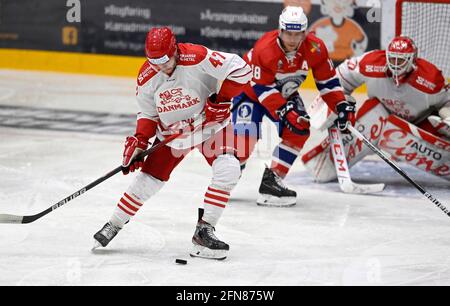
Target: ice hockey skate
(104,236)
(272,191)
(205,243)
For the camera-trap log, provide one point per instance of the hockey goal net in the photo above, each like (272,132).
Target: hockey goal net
(427,22)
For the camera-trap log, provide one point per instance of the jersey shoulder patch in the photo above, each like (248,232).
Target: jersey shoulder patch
(191,54)
(314,44)
(373,64)
(145,73)
(313,49)
(427,77)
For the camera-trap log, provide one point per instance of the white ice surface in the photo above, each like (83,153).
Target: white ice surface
(328,238)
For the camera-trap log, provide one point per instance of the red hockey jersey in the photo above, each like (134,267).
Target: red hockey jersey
(277,74)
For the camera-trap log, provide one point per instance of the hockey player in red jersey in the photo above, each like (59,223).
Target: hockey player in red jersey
(176,87)
(407,113)
(280,62)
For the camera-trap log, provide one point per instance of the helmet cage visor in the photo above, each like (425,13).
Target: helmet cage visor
(399,63)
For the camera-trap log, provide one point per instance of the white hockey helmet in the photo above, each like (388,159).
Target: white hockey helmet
(293,18)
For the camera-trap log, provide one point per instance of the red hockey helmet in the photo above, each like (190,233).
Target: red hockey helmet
(401,56)
(160,45)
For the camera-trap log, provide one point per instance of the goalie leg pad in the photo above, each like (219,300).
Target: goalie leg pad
(322,117)
(437,126)
(319,162)
(371,119)
(417,147)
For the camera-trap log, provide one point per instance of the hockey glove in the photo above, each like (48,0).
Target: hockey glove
(294,116)
(145,129)
(133,147)
(441,126)
(346,114)
(216,111)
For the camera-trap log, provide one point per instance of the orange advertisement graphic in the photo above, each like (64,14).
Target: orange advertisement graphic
(343,36)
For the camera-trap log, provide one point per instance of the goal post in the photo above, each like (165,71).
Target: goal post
(427,22)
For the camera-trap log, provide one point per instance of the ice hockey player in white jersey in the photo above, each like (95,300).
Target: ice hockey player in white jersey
(407,113)
(182,86)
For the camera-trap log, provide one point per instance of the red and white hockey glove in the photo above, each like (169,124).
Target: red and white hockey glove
(441,126)
(346,114)
(133,147)
(216,111)
(294,116)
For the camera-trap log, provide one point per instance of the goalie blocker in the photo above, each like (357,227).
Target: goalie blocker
(404,141)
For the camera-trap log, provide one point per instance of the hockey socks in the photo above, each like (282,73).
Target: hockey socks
(282,159)
(127,207)
(214,203)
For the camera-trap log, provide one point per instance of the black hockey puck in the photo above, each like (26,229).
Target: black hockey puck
(180,261)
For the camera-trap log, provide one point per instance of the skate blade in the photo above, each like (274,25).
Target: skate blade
(96,245)
(271,201)
(204,252)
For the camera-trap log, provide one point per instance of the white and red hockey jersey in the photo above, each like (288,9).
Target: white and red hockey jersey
(423,92)
(181,97)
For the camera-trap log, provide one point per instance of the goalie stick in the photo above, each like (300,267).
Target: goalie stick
(399,170)
(342,170)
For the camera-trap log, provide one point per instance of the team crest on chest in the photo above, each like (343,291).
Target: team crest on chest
(176,99)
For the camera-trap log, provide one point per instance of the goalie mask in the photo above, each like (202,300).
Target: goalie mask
(160,45)
(401,56)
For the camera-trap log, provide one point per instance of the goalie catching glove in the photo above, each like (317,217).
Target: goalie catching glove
(346,114)
(294,116)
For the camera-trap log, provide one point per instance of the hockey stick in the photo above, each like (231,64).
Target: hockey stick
(340,162)
(399,170)
(15,219)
